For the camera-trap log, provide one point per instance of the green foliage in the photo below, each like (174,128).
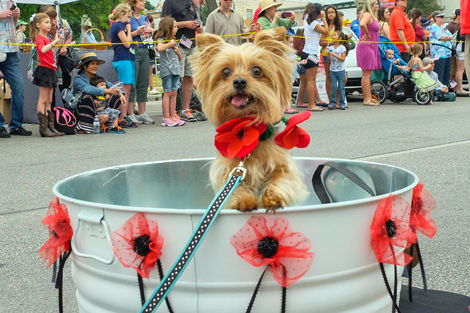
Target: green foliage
(149,6)
(204,14)
(427,6)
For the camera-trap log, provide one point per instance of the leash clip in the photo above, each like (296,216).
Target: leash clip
(240,170)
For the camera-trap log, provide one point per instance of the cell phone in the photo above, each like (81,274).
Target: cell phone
(286,14)
(13,7)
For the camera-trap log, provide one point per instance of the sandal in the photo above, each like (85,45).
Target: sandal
(290,110)
(371,103)
(116,130)
(303,105)
(316,109)
(322,104)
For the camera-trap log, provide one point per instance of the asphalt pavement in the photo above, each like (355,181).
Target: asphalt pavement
(432,141)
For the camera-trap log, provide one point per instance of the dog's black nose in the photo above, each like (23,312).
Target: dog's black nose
(239,83)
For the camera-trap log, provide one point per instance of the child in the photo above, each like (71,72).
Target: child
(290,43)
(45,74)
(124,55)
(441,91)
(336,56)
(106,115)
(422,81)
(169,69)
(390,54)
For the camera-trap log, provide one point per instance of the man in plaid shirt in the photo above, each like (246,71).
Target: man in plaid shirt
(11,69)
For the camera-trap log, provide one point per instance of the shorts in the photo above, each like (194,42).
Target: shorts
(325,59)
(460,55)
(170,83)
(185,65)
(301,69)
(45,77)
(310,63)
(126,71)
(113,114)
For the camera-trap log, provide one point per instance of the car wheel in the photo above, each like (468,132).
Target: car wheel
(379,91)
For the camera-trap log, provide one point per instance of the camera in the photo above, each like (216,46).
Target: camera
(13,7)
(286,14)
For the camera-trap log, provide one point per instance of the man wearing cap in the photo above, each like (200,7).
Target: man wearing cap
(455,24)
(89,37)
(401,30)
(268,17)
(224,21)
(11,69)
(20,36)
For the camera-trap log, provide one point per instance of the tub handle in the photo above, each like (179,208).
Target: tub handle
(92,217)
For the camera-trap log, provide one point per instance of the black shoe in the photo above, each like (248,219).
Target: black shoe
(4,133)
(20,131)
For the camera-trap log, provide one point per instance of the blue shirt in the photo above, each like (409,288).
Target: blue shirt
(82,83)
(136,23)
(90,38)
(355,27)
(120,51)
(435,34)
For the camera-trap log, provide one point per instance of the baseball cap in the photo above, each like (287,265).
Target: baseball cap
(20,22)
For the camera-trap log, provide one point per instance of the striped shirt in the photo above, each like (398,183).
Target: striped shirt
(7,30)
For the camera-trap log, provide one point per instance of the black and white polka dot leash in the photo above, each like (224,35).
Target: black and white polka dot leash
(236,177)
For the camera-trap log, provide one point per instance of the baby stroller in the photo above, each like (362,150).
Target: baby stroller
(400,89)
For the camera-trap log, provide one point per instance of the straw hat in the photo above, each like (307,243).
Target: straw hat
(88,57)
(266,4)
(87,24)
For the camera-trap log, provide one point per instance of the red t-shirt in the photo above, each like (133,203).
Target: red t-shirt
(464,17)
(45,59)
(398,20)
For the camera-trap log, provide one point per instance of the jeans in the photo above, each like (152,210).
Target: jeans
(337,82)
(11,69)
(442,69)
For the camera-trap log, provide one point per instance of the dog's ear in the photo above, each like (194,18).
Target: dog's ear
(272,40)
(203,41)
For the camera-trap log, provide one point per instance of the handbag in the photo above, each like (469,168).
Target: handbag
(69,61)
(65,121)
(70,100)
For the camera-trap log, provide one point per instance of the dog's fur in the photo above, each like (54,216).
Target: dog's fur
(273,180)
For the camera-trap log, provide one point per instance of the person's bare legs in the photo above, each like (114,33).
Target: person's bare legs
(166,104)
(311,88)
(303,85)
(142,107)
(187,91)
(365,84)
(328,81)
(126,89)
(459,75)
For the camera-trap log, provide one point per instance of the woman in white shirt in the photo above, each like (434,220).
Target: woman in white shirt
(313,31)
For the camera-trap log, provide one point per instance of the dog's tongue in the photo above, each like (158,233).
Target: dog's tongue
(238,101)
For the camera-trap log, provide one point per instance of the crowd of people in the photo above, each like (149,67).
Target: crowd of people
(434,67)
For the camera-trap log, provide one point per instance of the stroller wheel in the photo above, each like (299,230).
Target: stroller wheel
(421,97)
(379,91)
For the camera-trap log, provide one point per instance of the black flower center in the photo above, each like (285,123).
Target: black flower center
(241,134)
(141,245)
(391,228)
(268,247)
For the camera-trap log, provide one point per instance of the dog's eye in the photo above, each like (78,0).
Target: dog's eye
(256,71)
(226,72)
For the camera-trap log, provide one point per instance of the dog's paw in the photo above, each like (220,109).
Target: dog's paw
(244,201)
(271,201)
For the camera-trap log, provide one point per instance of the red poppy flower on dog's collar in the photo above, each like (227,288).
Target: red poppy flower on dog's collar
(137,244)
(272,242)
(421,207)
(294,136)
(391,229)
(238,137)
(57,222)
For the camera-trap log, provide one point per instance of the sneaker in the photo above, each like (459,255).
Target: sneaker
(4,133)
(167,121)
(126,124)
(187,116)
(116,130)
(178,121)
(331,107)
(145,119)
(20,131)
(132,118)
(153,92)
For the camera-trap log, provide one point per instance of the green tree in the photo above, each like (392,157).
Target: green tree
(204,14)
(427,6)
(149,6)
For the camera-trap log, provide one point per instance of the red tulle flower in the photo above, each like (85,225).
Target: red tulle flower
(294,136)
(390,229)
(238,137)
(421,207)
(271,241)
(137,244)
(57,222)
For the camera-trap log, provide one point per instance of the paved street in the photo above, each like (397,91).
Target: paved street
(432,141)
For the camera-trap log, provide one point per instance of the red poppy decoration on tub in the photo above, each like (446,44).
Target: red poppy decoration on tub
(271,241)
(390,230)
(238,137)
(421,207)
(294,136)
(137,244)
(57,222)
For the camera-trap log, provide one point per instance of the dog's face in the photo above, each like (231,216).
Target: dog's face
(253,79)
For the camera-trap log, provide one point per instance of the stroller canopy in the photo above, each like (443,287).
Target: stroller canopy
(387,64)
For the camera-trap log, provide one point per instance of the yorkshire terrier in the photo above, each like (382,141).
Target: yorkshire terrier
(254,80)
